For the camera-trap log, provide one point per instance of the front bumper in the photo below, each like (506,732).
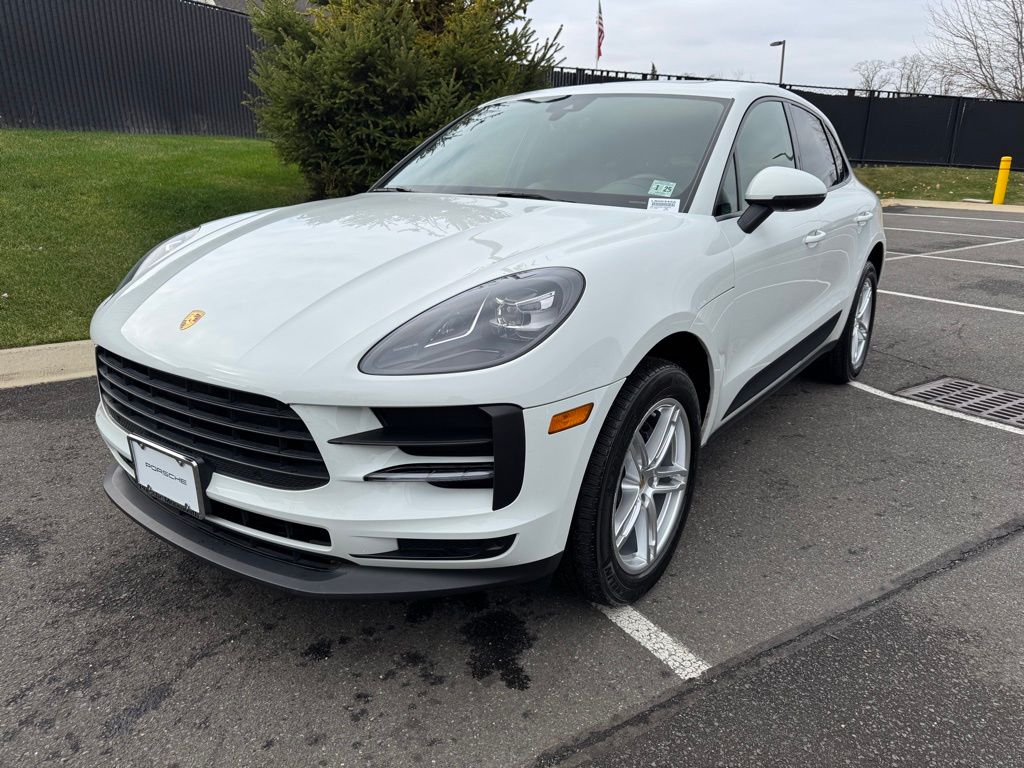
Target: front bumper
(366,521)
(343,580)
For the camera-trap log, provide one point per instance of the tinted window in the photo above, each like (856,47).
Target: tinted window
(815,152)
(613,149)
(763,142)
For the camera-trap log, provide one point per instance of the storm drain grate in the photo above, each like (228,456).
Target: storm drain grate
(999,405)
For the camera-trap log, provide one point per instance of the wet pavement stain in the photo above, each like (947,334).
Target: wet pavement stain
(150,702)
(425,667)
(319,651)
(497,639)
(420,611)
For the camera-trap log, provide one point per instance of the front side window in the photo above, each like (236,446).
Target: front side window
(611,149)
(816,155)
(763,142)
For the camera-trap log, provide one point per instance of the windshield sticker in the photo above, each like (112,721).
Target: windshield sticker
(662,204)
(662,188)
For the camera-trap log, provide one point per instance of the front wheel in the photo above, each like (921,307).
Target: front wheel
(846,360)
(637,490)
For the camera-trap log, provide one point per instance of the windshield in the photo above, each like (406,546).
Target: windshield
(611,149)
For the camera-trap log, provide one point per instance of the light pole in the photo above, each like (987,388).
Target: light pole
(782,64)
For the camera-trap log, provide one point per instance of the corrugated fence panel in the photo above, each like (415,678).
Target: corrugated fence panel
(912,129)
(138,66)
(988,130)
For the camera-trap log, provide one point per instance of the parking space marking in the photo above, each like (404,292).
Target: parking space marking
(671,652)
(936,409)
(953,258)
(954,234)
(954,218)
(968,247)
(955,303)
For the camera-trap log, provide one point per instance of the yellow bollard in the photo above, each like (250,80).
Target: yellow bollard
(1002,180)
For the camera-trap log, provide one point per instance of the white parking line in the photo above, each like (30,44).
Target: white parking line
(953,258)
(939,232)
(955,303)
(967,247)
(676,656)
(937,409)
(886,215)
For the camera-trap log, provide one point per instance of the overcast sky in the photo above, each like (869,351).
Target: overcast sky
(825,38)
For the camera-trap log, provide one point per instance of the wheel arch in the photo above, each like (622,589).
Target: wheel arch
(877,257)
(686,350)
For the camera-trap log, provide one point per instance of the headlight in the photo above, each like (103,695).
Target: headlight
(156,255)
(484,326)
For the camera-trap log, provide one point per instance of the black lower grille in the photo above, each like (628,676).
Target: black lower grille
(308,534)
(447,549)
(238,434)
(313,560)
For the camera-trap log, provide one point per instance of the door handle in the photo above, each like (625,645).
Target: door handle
(815,237)
(864,218)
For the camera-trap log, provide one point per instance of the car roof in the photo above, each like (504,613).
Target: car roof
(740,92)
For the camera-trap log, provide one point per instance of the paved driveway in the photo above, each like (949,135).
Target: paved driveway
(849,580)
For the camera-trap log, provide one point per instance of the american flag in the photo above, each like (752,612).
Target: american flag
(600,31)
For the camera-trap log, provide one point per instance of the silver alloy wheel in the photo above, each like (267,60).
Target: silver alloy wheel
(652,487)
(861,324)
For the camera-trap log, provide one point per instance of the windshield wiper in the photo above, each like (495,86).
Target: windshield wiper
(393,189)
(526,196)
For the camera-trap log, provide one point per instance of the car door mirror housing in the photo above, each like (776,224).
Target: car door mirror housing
(780,189)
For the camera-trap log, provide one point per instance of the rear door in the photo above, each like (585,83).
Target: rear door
(778,294)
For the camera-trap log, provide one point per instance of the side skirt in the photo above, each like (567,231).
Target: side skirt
(786,366)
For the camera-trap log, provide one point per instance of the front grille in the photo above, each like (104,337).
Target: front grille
(238,434)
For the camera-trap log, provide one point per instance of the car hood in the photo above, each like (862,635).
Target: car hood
(284,291)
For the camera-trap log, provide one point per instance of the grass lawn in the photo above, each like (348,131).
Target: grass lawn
(77,210)
(936,183)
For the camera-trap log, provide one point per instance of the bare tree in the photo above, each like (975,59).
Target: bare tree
(875,74)
(912,73)
(977,47)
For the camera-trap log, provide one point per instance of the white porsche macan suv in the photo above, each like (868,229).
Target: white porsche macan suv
(500,361)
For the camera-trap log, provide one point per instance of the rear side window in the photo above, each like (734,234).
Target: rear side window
(763,142)
(837,153)
(816,155)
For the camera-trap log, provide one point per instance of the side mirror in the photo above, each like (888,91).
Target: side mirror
(780,189)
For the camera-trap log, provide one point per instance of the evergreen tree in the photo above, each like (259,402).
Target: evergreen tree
(348,88)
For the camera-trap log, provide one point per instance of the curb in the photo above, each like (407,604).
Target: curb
(23,366)
(953,205)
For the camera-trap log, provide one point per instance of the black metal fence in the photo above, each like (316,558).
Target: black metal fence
(177,66)
(138,66)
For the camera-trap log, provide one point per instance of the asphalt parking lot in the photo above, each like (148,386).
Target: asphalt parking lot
(849,587)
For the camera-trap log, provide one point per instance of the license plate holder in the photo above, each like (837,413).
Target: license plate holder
(169,476)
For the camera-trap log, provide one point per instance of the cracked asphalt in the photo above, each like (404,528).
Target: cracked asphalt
(851,571)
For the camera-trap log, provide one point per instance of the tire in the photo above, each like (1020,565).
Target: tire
(841,365)
(593,564)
